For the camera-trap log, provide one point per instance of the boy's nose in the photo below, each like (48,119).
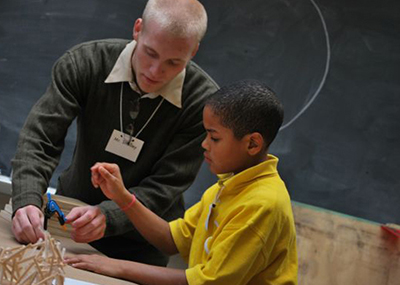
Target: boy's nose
(204,144)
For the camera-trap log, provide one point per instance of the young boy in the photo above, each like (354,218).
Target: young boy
(242,231)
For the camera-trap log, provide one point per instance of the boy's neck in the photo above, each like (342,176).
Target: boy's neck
(260,158)
(255,160)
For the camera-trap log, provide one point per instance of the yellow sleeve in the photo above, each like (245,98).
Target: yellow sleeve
(182,230)
(234,258)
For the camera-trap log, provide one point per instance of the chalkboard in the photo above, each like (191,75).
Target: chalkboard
(335,65)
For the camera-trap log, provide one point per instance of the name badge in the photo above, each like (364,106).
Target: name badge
(124,145)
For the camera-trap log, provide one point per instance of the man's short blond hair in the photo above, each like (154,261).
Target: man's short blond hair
(181,18)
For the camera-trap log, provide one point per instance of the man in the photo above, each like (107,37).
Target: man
(138,104)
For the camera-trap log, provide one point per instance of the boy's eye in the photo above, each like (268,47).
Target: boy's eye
(214,139)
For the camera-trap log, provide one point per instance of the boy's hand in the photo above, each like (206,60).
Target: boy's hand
(95,263)
(108,177)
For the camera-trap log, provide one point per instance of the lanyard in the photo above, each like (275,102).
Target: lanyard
(120,111)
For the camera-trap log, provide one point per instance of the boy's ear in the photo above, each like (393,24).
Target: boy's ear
(256,143)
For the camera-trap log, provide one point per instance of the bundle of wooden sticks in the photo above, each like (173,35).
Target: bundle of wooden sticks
(34,264)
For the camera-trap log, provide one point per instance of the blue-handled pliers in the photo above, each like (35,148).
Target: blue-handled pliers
(52,208)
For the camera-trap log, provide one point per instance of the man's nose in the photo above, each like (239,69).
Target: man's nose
(157,70)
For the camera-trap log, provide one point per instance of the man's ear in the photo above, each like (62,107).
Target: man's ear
(255,143)
(137,28)
(195,50)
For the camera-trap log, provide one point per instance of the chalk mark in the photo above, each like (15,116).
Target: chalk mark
(327,65)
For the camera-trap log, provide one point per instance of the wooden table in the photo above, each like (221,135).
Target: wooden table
(7,240)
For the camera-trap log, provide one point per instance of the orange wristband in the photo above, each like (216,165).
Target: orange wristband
(130,204)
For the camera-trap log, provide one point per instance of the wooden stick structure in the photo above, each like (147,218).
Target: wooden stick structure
(34,264)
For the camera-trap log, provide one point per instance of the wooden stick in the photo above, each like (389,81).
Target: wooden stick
(27,259)
(13,270)
(7,269)
(40,252)
(26,272)
(47,279)
(38,268)
(51,265)
(18,250)
(17,259)
(1,274)
(60,278)
(57,252)
(30,278)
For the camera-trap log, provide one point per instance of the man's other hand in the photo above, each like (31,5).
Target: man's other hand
(27,224)
(88,223)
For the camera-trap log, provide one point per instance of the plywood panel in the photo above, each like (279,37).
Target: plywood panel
(335,249)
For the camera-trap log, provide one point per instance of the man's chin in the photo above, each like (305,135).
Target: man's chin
(149,88)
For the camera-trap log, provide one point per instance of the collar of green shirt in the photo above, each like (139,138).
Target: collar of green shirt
(122,72)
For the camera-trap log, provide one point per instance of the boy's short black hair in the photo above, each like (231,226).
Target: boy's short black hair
(246,107)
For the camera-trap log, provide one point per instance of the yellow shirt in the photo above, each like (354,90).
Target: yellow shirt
(248,237)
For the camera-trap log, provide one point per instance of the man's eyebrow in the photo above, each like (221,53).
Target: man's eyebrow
(150,49)
(211,131)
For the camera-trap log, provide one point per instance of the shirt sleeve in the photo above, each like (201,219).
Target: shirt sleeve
(232,260)
(41,140)
(182,230)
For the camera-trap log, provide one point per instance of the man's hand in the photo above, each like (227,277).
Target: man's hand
(88,223)
(27,224)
